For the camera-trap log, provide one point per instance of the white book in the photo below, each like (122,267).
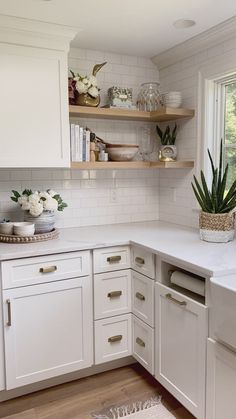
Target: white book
(77,141)
(72,142)
(81,133)
(87,145)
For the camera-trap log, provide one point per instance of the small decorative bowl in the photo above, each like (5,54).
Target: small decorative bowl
(122,152)
(6,228)
(23,229)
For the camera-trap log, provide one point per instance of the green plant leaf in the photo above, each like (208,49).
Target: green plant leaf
(159,132)
(13,198)
(211,160)
(16,194)
(206,191)
(200,201)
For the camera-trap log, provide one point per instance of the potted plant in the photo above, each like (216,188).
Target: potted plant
(83,90)
(39,207)
(217,218)
(168,150)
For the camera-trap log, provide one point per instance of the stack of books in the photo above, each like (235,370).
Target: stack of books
(80,143)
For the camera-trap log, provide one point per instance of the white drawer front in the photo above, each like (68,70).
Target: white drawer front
(143,298)
(143,261)
(30,271)
(112,293)
(111,259)
(143,344)
(113,338)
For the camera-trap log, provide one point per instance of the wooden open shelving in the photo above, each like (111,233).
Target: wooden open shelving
(179,164)
(161,115)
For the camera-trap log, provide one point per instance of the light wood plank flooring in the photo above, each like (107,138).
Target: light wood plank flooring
(78,399)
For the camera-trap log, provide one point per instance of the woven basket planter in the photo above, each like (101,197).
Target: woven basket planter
(218,228)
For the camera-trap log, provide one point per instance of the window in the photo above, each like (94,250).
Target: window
(225,121)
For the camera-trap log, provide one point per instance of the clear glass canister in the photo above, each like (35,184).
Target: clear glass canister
(149,97)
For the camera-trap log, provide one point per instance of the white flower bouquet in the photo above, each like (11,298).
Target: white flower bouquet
(86,84)
(36,202)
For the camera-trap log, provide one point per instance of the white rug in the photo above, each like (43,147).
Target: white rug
(149,409)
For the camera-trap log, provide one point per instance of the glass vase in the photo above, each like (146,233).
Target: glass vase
(149,97)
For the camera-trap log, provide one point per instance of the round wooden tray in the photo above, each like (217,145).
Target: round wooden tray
(10,238)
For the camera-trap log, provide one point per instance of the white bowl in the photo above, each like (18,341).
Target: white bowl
(23,229)
(122,152)
(6,228)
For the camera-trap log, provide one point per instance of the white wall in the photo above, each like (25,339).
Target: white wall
(89,194)
(177,202)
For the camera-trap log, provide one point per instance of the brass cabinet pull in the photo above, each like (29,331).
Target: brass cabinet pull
(116,338)
(113,259)
(180,303)
(139,260)
(114,294)
(48,269)
(9,312)
(140,296)
(140,342)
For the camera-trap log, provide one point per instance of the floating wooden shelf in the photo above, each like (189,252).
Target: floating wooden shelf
(162,114)
(184,164)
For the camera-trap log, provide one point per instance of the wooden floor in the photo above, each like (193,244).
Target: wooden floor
(78,399)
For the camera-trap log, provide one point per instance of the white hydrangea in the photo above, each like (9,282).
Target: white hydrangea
(52,193)
(23,200)
(93,81)
(81,87)
(36,209)
(93,91)
(25,206)
(50,204)
(85,80)
(34,198)
(44,195)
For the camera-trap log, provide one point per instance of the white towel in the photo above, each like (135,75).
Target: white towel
(188,282)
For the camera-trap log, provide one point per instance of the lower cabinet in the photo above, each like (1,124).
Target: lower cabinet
(181,335)
(113,338)
(143,344)
(221,382)
(47,330)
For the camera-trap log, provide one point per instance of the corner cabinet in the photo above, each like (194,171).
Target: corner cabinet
(34,129)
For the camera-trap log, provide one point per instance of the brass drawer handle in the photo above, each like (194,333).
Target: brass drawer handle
(140,342)
(114,259)
(116,338)
(174,300)
(114,294)
(9,312)
(139,260)
(140,296)
(48,269)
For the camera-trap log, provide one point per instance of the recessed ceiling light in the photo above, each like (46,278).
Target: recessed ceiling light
(184,23)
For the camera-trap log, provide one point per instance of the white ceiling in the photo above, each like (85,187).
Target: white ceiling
(136,27)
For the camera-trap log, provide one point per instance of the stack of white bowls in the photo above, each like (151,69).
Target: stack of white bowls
(172,99)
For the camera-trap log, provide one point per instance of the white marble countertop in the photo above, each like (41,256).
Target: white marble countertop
(178,243)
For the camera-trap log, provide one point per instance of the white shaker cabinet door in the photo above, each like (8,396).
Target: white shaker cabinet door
(181,339)
(34,128)
(48,330)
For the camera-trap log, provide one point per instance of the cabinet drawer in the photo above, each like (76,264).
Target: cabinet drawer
(113,338)
(143,344)
(30,271)
(111,259)
(143,261)
(112,293)
(143,298)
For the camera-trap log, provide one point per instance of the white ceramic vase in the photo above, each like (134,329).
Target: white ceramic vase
(44,223)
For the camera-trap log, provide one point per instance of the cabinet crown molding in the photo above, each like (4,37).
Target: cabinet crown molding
(207,39)
(29,32)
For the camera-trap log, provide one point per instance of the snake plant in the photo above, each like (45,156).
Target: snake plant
(217,199)
(167,137)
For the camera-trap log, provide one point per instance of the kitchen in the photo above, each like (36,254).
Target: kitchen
(131,223)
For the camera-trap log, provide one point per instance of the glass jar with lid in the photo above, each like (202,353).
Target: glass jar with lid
(149,97)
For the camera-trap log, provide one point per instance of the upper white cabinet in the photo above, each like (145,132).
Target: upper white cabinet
(34,128)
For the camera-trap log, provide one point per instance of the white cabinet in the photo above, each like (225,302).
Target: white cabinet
(221,382)
(143,261)
(2,363)
(143,298)
(181,336)
(143,344)
(113,338)
(34,129)
(48,330)
(112,294)
(111,259)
